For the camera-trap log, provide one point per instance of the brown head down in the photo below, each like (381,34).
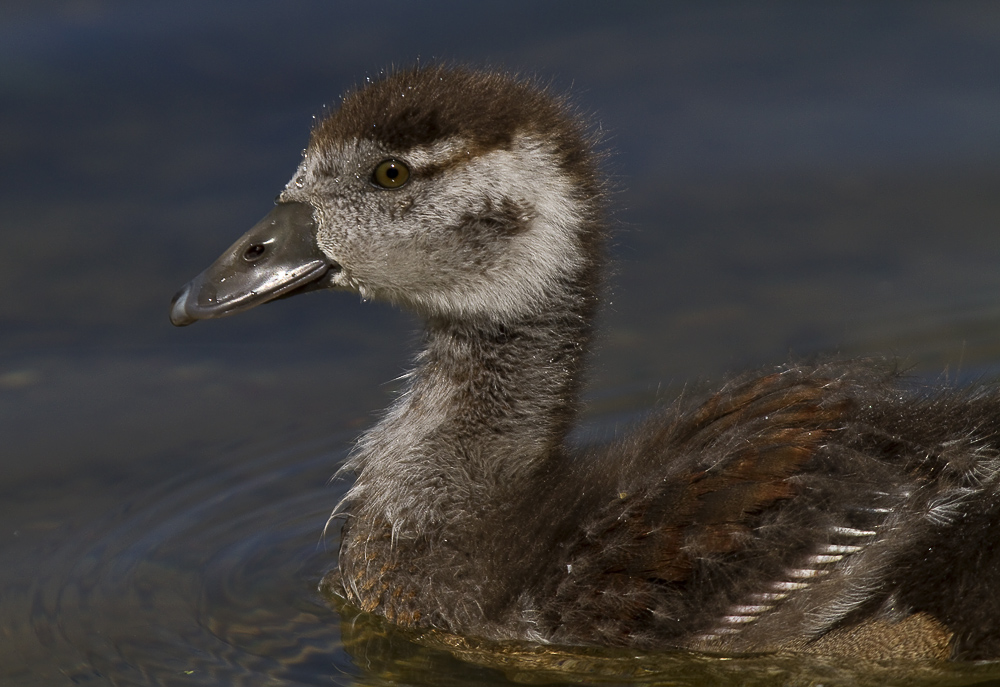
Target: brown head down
(473,231)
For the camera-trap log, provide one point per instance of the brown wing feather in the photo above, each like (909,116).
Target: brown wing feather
(756,437)
(740,450)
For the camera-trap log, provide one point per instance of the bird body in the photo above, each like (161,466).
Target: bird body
(833,507)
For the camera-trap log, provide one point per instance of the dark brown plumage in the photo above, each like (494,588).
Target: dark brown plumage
(835,508)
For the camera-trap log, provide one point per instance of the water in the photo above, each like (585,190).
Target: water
(790,180)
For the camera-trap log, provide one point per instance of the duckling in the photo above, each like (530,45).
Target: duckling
(834,508)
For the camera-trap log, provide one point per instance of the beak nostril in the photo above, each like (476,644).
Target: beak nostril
(254,252)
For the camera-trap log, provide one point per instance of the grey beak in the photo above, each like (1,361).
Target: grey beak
(277,256)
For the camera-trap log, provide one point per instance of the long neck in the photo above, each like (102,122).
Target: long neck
(433,516)
(437,512)
(487,408)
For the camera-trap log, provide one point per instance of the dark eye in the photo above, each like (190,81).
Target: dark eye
(391,174)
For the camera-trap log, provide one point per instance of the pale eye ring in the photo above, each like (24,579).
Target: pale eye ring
(390,174)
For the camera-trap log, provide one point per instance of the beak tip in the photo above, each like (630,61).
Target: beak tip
(179,316)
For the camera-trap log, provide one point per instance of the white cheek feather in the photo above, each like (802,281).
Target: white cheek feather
(534,260)
(412,258)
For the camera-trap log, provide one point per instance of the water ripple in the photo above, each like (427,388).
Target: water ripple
(208,578)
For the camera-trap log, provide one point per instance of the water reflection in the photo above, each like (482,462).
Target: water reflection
(209,577)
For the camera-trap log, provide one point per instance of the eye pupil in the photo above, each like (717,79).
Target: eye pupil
(390,174)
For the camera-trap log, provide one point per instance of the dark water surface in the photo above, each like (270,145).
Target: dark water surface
(793,179)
